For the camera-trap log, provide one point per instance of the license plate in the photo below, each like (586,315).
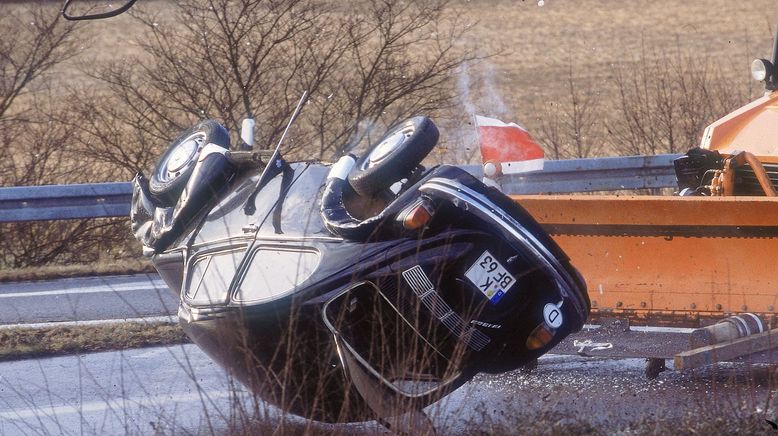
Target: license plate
(490,277)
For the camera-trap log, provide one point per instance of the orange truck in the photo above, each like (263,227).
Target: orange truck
(704,254)
(692,259)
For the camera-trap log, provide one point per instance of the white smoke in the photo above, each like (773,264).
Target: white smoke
(478,94)
(491,99)
(463,86)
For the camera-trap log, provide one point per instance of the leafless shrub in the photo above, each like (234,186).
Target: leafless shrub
(42,155)
(34,40)
(41,151)
(573,128)
(659,103)
(29,244)
(666,100)
(36,130)
(365,65)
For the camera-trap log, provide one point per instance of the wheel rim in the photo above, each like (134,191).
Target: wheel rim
(181,157)
(387,147)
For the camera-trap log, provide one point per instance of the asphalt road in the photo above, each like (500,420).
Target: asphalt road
(180,390)
(137,392)
(80,299)
(162,390)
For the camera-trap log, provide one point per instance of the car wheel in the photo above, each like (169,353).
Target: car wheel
(395,156)
(175,166)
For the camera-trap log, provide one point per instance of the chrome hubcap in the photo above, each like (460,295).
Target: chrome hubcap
(183,155)
(387,147)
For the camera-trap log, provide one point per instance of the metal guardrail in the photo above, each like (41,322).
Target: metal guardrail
(591,175)
(102,200)
(61,202)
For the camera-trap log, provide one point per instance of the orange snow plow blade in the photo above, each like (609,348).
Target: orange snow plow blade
(668,260)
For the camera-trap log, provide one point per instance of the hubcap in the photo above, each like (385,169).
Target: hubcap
(183,155)
(386,148)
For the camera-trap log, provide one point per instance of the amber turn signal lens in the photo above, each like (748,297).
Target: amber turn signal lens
(539,337)
(417,217)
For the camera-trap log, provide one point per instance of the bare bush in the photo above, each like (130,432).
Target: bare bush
(665,102)
(573,127)
(29,244)
(42,154)
(365,65)
(659,103)
(37,130)
(34,41)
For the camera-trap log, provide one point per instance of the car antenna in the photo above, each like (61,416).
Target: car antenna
(275,163)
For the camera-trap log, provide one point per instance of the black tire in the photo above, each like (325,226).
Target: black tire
(395,156)
(175,166)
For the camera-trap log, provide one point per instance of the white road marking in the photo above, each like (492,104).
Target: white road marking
(155,402)
(656,329)
(141,320)
(125,287)
(647,328)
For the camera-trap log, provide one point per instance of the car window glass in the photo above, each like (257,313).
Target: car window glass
(274,272)
(210,277)
(227,219)
(296,213)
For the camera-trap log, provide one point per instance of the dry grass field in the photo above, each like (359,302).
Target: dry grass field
(539,47)
(533,46)
(537,43)
(594,36)
(609,57)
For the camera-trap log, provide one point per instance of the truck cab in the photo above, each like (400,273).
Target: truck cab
(738,154)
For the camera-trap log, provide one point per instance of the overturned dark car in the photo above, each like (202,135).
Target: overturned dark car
(363,289)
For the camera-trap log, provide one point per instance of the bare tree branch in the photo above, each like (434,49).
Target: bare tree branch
(365,66)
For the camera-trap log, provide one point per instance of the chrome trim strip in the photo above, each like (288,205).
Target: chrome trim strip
(424,289)
(461,192)
(270,238)
(173,250)
(191,314)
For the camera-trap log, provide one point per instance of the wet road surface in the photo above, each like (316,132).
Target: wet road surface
(80,299)
(174,389)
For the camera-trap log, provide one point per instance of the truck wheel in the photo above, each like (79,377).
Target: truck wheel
(175,166)
(654,366)
(395,156)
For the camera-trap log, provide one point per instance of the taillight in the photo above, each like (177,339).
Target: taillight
(418,216)
(540,336)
